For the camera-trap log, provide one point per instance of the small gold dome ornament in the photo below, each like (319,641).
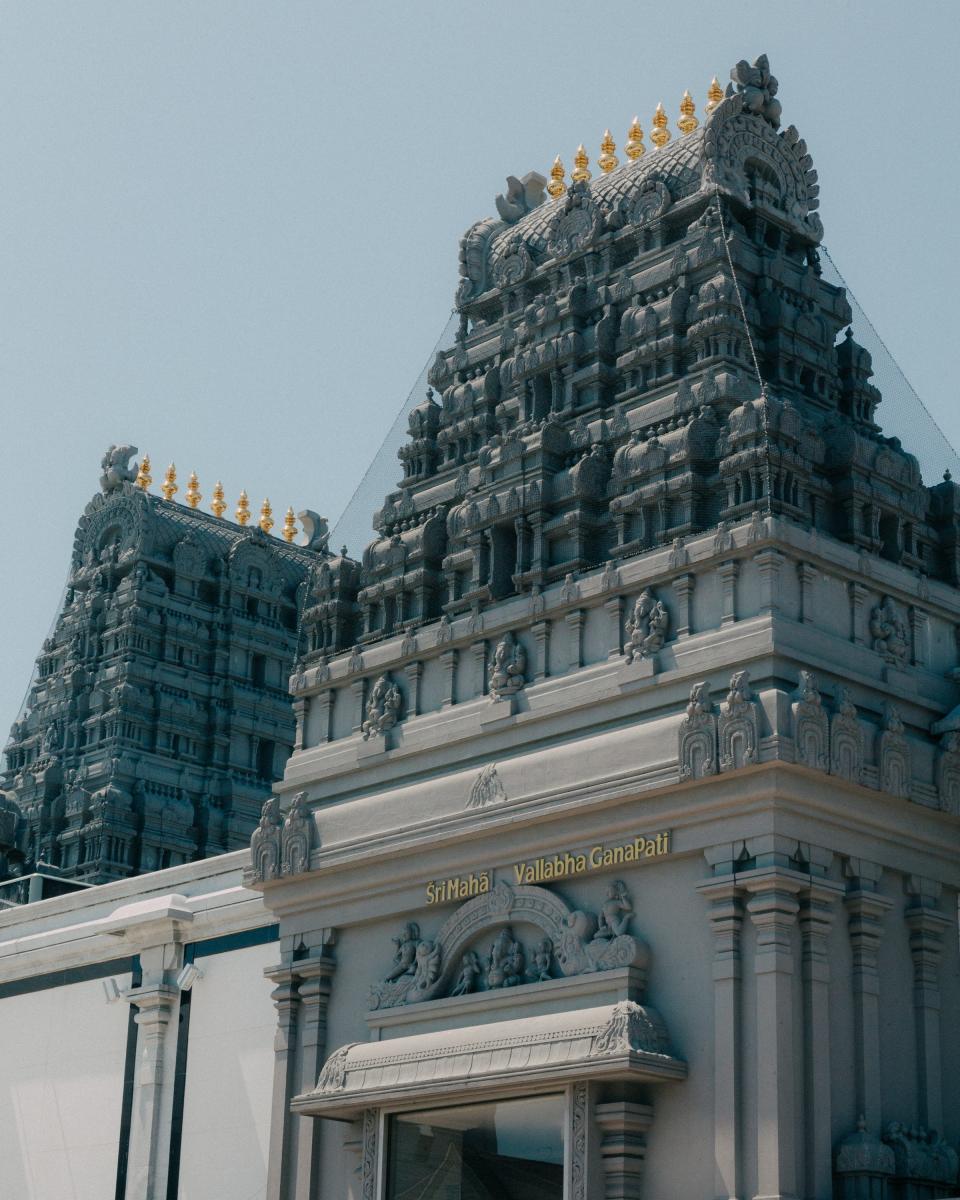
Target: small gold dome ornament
(607,160)
(218,505)
(169,485)
(243,509)
(192,493)
(144,478)
(635,148)
(714,95)
(266,516)
(688,122)
(661,134)
(556,187)
(580,172)
(289,527)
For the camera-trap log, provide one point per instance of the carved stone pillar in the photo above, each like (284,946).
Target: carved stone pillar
(927,927)
(149,1131)
(285,1000)
(299,707)
(726,919)
(918,630)
(816,918)
(315,977)
(683,590)
(479,650)
(769,563)
(414,675)
(614,611)
(448,663)
(369,1154)
(575,621)
(807,574)
(541,634)
(728,572)
(357,688)
(324,705)
(623,1147)
(858,596)
(865,909)
(773,909)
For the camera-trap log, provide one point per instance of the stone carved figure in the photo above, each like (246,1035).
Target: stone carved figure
(846,739)
(632,1027)
(383,708)
(333,1075)
(738,731)
(116,469)
(758,88)
(921,1156)
(948,772)
(508,671)
(295,837)
(405,951)
(647,627)
(615,912)
(487,788)
(811,726)
(428,961)
(894,755)
(889,633)
(698,735)
(470,971)
(523,196)
(542,960)
(506,961)
(265,843)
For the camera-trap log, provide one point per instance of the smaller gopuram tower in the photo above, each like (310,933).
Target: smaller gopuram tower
(158,716)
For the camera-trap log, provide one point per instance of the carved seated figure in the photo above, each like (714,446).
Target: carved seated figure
(615,912)
(647,627)
(889,633)
(508,674)
(506,961)
(383,708)
(405,954)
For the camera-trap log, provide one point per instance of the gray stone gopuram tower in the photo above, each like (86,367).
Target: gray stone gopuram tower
(635,728)
(159,714)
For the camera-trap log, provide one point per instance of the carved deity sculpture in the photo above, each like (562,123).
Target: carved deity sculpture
(470,969)
(405,952)
(615,912)
(889,632)
(542,960)
(506,961)
(647,627)
(383,708)
(508,672)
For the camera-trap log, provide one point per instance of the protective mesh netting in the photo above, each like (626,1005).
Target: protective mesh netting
(902,414)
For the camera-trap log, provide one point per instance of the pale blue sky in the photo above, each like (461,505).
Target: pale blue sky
(230,228)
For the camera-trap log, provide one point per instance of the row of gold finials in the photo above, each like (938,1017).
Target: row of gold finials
(634,147)
(218,505)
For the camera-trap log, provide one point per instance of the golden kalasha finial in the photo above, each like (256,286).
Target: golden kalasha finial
(688,122)
(218,505)
(635,148)
(607,160)
(714,95)
(192,493)
(169,485)
(289,526)
(580,172)
(144,478)
(243,509)
(661,134)
(556,187)
(266,516)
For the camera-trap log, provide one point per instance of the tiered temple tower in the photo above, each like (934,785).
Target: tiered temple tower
(158,716)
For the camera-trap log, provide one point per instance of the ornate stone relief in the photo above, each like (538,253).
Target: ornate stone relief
(116,469)
(508,669)
(846,739)
(811,726)
(647,627)
(576,223)
(457,962)
(383,708)
(738,728)
(280,846)
(578,1148)
(698,735)
(888,632)
(948,772)
(894,756)
(487,788)
(923,1156)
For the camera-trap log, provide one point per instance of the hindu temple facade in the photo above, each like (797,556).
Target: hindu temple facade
(617,852)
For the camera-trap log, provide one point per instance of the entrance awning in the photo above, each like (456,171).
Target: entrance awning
(623,1041)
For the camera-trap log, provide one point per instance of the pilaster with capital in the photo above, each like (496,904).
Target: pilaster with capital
(927,927)
(727,573)
(683,591)
(285,1000)
(315,977)
(614,610)
(623,1130)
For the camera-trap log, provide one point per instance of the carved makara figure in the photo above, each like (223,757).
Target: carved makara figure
(889,632)
(383,708)
(647,627)
(508,671)
(615,912)
(265,843)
